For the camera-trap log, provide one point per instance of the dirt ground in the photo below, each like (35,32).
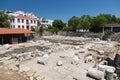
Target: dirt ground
(9,75)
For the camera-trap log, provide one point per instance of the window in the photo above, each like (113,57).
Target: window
(13,26)
(27,22)
(31,21)
(18,20)
(34,21)
(28,27)
(22,20)
(13,20)
(18,26)
(22,26)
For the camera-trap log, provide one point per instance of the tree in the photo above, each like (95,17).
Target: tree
(118,20)
(58,24)
(97,22)
(74,23)
(108,17)
(40,27)
(113,19)
(85,22)
(4,19)
(38,23)
(50,29)
(36,29)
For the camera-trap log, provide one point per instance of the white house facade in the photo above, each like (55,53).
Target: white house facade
(46,22)
(22,21)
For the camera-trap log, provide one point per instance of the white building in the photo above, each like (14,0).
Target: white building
(46,22)
(20,19)
(22,22)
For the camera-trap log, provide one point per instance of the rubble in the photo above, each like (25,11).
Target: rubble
(59,63)
(81,51)
(96,74)
(109,74)
(21,45)
(62,58)
(43,60)
(7,46)
(105,67)
(101,52)
(42,78)
(117,63)
(89,59)
(77,47)
(75,60)
(13,67)
(30,73)
(23,69)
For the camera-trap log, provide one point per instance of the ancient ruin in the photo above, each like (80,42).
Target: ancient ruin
(61,58)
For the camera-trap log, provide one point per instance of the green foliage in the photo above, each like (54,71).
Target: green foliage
(4,19)
(38,23)
(108,32)
(110,18)
(58,24)
(36,29)
(74,23)
(98,22)
(93,23)
(52,29)
(66,28)
(118,20)
(85,22)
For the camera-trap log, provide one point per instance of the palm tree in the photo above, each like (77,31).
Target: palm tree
(4,19)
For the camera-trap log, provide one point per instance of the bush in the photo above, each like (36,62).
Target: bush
(109,32)
(66,29)
(50,30)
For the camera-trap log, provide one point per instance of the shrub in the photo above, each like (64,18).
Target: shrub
(66,29)
(109,32)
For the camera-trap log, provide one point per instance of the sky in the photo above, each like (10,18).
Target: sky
(63,9)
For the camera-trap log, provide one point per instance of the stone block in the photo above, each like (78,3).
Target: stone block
(59,63)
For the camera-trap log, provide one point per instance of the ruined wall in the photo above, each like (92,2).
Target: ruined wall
(77,34)
(114,37)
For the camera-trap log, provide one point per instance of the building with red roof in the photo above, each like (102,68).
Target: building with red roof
(9,35)
(22,21)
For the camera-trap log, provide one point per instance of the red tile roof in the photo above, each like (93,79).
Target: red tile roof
(14,31)
(23,17)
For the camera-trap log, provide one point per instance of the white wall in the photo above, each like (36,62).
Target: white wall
(16,24)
